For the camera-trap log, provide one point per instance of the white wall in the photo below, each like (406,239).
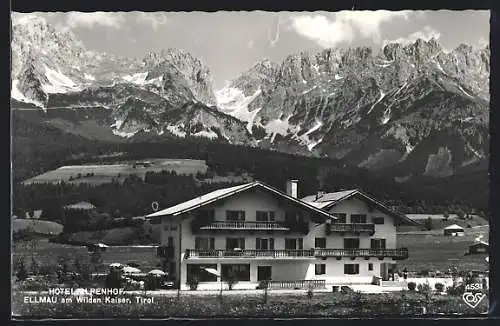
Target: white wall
(293,269)
(383,231)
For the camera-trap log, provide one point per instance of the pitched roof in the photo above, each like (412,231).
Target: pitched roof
(453,226)
(328,200)
(226,192)
(80,205)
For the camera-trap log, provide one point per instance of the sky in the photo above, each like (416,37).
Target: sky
(231,42)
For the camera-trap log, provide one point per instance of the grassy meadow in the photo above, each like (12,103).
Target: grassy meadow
(258,305)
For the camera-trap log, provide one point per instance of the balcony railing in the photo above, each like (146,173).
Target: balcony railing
(400,253)
(165,252)
(248,253)
(245,225)
(249,226)
(297,284)
(351,228)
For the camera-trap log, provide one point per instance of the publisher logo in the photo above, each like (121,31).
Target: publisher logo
(472,298)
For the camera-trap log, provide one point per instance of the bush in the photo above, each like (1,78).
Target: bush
(412,286)
(114,279)
(193,282)
(455,290)
(439,287)
(152,282)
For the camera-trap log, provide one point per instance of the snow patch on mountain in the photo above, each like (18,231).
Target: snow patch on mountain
(232,101)
(124,134)
(463,90)
(137,78)
(58,82)
(338,77)
(176,130)
(278,126)
(305,137)
(17,95)
(206,134)
(382,94)
(88,77)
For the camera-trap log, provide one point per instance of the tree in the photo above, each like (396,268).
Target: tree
(446,216)
(35,267)
(428,223)
(21,273)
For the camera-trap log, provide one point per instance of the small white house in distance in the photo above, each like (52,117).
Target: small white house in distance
(454,230)
(260,233)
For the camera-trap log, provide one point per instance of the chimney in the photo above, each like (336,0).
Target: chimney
(319,194)
(291,188)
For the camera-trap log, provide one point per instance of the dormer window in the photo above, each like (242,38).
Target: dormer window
(378,220)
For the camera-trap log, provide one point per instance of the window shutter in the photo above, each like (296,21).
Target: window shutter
(271,216)
(212,243)
(301,244)
(257,243)
(271,243)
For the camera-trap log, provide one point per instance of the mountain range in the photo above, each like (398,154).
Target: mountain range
(405,111)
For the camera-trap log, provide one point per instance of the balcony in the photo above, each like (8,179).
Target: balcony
(397,254)
(351,228)
(249,226)
(249,253)
(165,252)
(244,225)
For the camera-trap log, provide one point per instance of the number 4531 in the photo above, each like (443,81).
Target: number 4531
(474,286)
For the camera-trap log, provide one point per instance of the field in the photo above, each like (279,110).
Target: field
(431,250)
(256,305)
(47,253)
(438,222)
(38,226)
(103,173)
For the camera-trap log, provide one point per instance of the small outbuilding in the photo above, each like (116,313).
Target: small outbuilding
(97,247)
(480,247)
(454,230)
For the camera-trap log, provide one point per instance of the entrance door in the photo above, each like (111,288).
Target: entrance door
(264,273)
(384,271)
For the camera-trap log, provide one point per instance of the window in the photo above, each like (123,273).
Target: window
(370,266)
(358,218)
(264,244)
(351,269)
(377,243)
(235,215)
(294,244)
(264,273)
(240,271)
(166,227)
(341,217)
(233,243)
(264,216)
(199,271)
(320,269)
(290,244)
(204,243)
(170,242)
(320,243)
(378,220)
(351,243)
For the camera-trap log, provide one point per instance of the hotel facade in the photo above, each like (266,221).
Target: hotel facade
(254,232)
